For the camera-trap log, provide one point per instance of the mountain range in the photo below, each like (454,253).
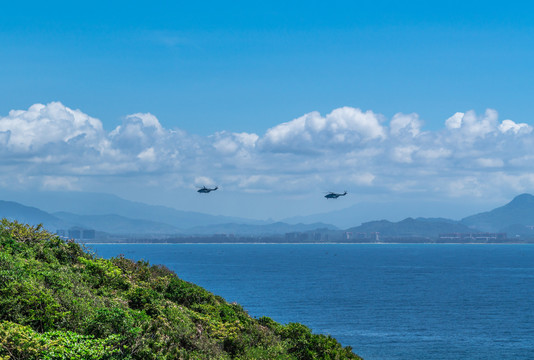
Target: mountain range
(409,227)
(518,212)
(134,219)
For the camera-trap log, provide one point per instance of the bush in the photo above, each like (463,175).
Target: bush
(19,342)
(187,294)
(22,342)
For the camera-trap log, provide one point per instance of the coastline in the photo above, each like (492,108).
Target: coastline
(303,243)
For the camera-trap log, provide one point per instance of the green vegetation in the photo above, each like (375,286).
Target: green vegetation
(58,301)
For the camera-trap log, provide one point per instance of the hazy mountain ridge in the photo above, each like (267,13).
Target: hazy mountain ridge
(514,218)
(518,212)
(122,225)
(28,214)
(409,227)
(275,228)
(82,203)
(117,224)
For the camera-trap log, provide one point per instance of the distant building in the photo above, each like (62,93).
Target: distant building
(77,233)
(88,234)
(296,236)
(362,236)
(472,237)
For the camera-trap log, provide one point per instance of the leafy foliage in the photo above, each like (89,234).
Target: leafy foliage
(58,301)
(22,342)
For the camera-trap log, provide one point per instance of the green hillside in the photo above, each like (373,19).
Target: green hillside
(58,301)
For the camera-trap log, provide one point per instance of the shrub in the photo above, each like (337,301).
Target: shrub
(187,294)
(19,342)
(104,273)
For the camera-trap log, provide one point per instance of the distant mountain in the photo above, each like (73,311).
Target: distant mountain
(276,228)
(29,215)
(123,217)
(123,225)
(519,211)
(343,218)
(390,209)
(116,224)
(518,230)
(84,203)
(427,227)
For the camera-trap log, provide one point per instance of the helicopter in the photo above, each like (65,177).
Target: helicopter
(333,195)
(206,190)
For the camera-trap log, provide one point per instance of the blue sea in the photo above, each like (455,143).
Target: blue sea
(386,301)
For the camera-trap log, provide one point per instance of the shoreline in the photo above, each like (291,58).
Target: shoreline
(302,243)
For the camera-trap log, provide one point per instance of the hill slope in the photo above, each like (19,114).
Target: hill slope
(111,223)
(428,227)
(519,211)
(58,301)
(83,203)
(116,224)
(30,215)
(276,228)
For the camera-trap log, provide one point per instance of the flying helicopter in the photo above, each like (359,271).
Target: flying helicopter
(206,190)
(333,195)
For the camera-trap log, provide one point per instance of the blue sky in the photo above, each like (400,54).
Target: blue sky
(238,66)
(211,70)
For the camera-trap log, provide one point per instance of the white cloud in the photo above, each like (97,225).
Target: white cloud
(363,179)
(147,155)
(403,154)
(204,181)
(465,186)
(472,126)
(435,154)
(403,124)
(313,133)
(53,146)
(137,132)
(59,183)
(455,121)
(490,162)
(365,126)
(509,125)
(227,143)
(29,131)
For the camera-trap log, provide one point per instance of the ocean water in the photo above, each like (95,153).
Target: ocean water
(386,301)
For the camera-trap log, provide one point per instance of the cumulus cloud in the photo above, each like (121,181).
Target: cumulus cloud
(472,126)
(29,131)
(313,133)
(510,126)
(61,148)
(137,132)
(455,121)
(403,154)
(402,124)
(229,143)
